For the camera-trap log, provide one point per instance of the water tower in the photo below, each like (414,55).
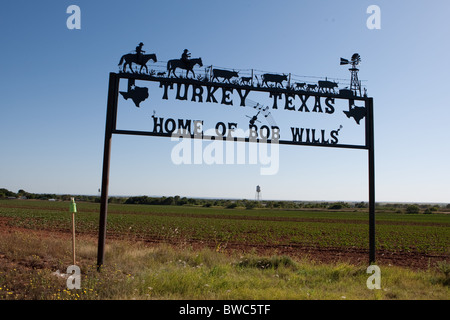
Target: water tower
(258,193)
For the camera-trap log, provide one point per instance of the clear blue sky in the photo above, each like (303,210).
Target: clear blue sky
(54,85)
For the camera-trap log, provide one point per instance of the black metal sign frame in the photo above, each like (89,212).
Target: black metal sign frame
(110,129)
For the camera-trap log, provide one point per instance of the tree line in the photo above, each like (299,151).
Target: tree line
(230,204)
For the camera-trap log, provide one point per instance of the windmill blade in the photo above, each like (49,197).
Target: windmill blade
(344,61)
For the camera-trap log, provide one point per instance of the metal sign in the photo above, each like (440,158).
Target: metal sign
(240,105)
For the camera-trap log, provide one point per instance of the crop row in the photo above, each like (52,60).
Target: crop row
(221,227)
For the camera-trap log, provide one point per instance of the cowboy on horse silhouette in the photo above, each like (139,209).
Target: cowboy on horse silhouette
(185,57)
(185,63)
(139,58)
(139,52)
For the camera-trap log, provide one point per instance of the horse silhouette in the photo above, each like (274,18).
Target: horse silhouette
(188,65)
(132,58)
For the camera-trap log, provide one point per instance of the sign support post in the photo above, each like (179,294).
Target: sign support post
(113,93)
(370,145)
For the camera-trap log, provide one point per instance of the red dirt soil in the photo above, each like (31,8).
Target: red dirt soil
(356,256)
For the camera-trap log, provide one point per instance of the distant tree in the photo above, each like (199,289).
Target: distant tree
(23,193)
(269,204)
(231,205)
(431,209)
(168,201)
(4,193)
(183,201)
(412,208)
(251,205)
(335,206)
(192,201)
(360,205)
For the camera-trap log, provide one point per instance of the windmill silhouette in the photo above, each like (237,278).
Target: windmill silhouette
(355,84)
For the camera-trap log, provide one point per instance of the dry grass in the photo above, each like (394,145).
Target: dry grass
(134,270)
